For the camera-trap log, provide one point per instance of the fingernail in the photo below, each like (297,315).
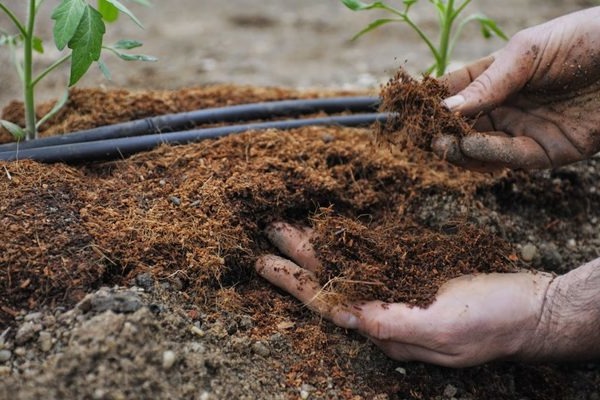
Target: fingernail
(346,320)
(451,103)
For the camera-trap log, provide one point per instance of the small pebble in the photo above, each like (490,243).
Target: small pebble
(232,327)
(162,182)
(145,281)
(401,371)
(304,394)
(5,355)
(175,200)
(45,341)
(20,351)
(197,331)
(450,391)
(571,244)
(168,359)
(528,252)
(245,322)
(261,349)
(4,370)
(26,332)
(36,316)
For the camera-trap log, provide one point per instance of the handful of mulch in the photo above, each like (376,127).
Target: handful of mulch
(402,262)
(418,115)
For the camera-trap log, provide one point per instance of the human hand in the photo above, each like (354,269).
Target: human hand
(475,318)
(536,100)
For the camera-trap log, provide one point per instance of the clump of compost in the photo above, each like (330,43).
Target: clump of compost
(417,114)
(399,261)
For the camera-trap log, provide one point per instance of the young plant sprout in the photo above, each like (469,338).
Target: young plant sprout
(78,32)
(448,12)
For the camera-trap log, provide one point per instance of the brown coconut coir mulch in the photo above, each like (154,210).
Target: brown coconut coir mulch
(194,216)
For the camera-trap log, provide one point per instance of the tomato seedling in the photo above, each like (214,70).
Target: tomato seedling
(78,32)
(448,12)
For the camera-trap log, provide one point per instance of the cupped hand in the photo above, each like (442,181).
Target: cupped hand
(474,319)
(536,101)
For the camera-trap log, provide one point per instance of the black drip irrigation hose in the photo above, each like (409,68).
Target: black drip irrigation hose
(188,120)
(109,149)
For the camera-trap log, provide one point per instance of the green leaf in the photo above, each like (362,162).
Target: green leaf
(86,43)
(13,128)
(125,44)
(491,27)
(131,57)
(38,45)
(142,2)
(117,4)
(67,17)
(357,5)
(109,12)
(104,69)
(488,26)
(136,57)
(374,25)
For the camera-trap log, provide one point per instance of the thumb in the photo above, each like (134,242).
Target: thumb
(506,75)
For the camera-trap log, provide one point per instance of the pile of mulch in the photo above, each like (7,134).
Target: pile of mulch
(194,216)
(401,261)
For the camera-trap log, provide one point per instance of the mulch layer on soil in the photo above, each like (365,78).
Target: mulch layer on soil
(193,218)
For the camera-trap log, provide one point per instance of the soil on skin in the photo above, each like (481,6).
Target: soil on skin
(417,116)
(182,226)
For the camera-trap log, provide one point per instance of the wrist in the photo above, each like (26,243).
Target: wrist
(569,320)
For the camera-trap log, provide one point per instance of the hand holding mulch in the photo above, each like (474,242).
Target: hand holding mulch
(535,102)
(474,319)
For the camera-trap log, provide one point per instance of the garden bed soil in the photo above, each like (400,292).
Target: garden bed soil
(134,278)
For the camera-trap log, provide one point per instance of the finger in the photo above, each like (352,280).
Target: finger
(506,75)
(447,147)
(297,281)
(461,78)
(548,134)
(294,243)
(511,152)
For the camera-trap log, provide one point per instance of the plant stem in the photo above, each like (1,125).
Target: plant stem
(28,87)
(13,18)
(51,68)
(445,38)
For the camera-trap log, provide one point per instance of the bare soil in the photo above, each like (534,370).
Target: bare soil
(181,227)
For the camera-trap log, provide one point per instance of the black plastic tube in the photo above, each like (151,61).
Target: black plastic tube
(187,120)
(109,149)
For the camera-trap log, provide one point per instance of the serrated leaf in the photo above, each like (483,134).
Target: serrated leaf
(38,45)
(67,17)
(109,12)
(374,25)
(117,4)
(126,44)
(86,43)
(13,128)
(104,69)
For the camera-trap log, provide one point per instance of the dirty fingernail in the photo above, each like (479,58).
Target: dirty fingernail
(346,320)
(451,103)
